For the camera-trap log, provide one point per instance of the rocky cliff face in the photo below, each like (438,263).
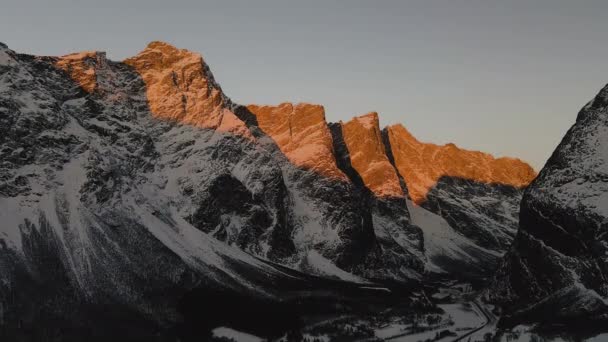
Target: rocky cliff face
(423,165)
(477,194)
(557,267)
(361,154)
(179,86)
(301,133)
(368,156)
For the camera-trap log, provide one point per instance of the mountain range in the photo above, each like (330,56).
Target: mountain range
(137,200)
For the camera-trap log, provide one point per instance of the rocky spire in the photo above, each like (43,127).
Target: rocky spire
(368,155)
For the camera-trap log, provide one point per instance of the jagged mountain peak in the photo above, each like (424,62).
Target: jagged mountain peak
(370,120)
(159,44)
(180,87)
(158,54)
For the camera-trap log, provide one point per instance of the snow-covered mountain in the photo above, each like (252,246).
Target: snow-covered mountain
(557,267)
(476,195)
(126,187)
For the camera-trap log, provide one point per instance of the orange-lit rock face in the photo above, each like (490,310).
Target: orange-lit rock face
(81,68)
(368,156)
(179,87)
(301,132)
(422,164)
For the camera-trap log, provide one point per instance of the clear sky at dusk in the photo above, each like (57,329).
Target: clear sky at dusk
(505,77)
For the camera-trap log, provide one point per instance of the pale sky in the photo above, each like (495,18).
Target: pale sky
(505,77)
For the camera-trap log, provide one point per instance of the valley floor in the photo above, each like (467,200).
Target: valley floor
(460,315)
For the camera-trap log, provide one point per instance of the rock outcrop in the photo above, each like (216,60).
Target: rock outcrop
(81,67)
(557,269)
(302,134)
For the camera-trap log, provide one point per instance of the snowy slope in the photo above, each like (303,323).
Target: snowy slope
(448,251)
